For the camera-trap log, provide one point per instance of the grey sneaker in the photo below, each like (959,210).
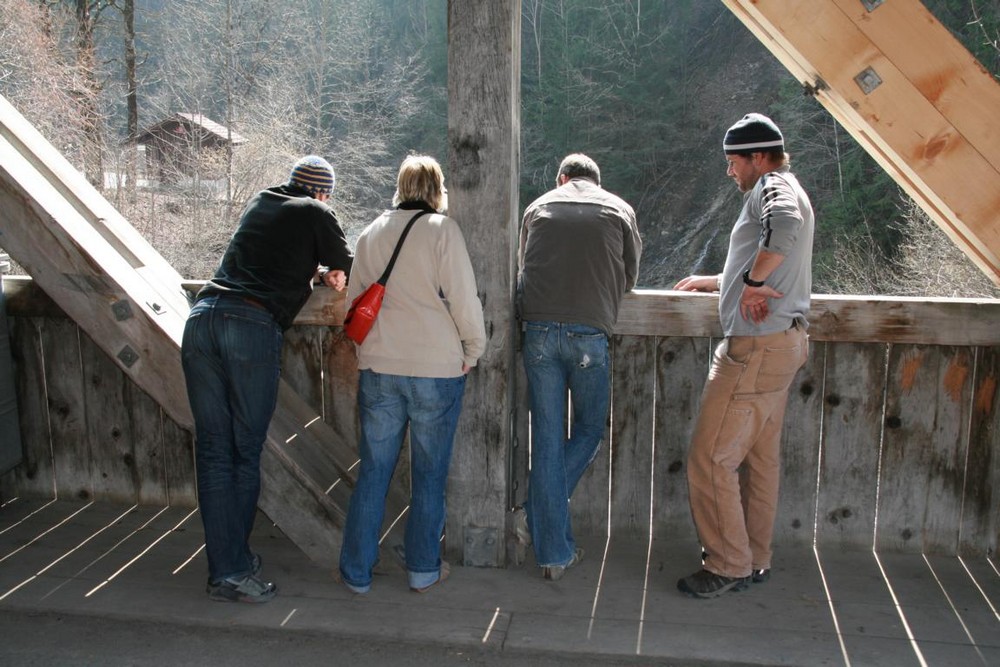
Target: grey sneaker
(705,584)
(256,562)
(245,589)
(556,572)
(522,536)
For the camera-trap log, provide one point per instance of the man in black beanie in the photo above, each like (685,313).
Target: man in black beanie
(734,460)
(231,353)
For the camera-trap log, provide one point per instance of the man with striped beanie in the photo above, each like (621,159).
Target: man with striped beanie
(734,459)
(231,353)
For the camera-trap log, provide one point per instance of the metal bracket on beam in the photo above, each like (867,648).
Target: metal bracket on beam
(128,356)
(868,80)
(870,5)
(480,547)
(122,310)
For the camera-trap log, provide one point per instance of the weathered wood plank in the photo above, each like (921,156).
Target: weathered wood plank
(65,388)
(832,318)
(980,500)
(924,449)
(340,384)
(301,364)
(853,395)
(112,460)
(35,475)
(837,318)
(178,455)
(483,130)
(800,445)
(145,425)
(953,81)
(633,386)
(681,370)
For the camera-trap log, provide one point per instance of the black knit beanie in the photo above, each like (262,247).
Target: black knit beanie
(754,133)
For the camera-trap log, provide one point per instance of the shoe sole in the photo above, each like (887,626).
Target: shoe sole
(223,596)
(734,587)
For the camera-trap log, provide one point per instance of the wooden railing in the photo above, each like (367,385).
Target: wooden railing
(891,434)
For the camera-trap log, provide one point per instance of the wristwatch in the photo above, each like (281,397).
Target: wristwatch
(750,281)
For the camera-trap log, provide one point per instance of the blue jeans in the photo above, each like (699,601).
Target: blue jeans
(231,354)
(387,403)
(558,358)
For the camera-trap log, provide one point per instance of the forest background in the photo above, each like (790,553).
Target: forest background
(645,88)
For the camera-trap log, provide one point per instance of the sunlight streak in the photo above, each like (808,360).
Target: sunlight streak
(600,581)
(8,502)
(312,421)
(899,612)
(43,534)
(833,610)
(141,553)
(292,437)
(954,609)
(393,525)
(15,525)
(980,588)
(649,531)
(493,622)
(289,617)
(189,559)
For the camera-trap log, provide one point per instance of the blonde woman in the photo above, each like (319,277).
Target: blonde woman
(428,335)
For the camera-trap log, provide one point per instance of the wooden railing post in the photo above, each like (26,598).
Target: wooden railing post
(483,128)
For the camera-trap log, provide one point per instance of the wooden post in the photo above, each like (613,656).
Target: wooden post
(483,128)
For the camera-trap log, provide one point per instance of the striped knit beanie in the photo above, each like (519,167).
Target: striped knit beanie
(313,174)
(754,133)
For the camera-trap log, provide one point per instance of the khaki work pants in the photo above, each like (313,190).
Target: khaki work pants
(739,424)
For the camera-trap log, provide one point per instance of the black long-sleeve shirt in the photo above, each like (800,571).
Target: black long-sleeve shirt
(283,236)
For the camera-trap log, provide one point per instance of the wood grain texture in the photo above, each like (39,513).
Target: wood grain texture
(838,318)
(633,387)
(114,474)
(800,446)
(65,386)
(853,394)
(482,162)
(981,499)
(36,475)
(924,449)
(681,371)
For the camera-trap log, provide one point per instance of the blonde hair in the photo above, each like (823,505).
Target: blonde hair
(421,180)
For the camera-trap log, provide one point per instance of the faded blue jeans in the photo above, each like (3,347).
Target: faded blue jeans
(231,353)
(387,404)
(558,358)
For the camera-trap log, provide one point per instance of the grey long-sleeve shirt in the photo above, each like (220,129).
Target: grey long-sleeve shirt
(578,255)
(776,217)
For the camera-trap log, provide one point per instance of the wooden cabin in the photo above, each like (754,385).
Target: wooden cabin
(186,144)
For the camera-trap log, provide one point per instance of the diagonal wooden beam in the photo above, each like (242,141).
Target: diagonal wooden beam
(909,93)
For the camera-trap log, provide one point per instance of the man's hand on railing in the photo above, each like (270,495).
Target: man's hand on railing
(698,284)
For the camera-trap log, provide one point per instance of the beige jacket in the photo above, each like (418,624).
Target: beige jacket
(431,321)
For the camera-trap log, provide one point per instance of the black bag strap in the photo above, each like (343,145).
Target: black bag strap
(399,245)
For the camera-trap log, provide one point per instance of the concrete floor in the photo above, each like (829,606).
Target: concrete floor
(141,569)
